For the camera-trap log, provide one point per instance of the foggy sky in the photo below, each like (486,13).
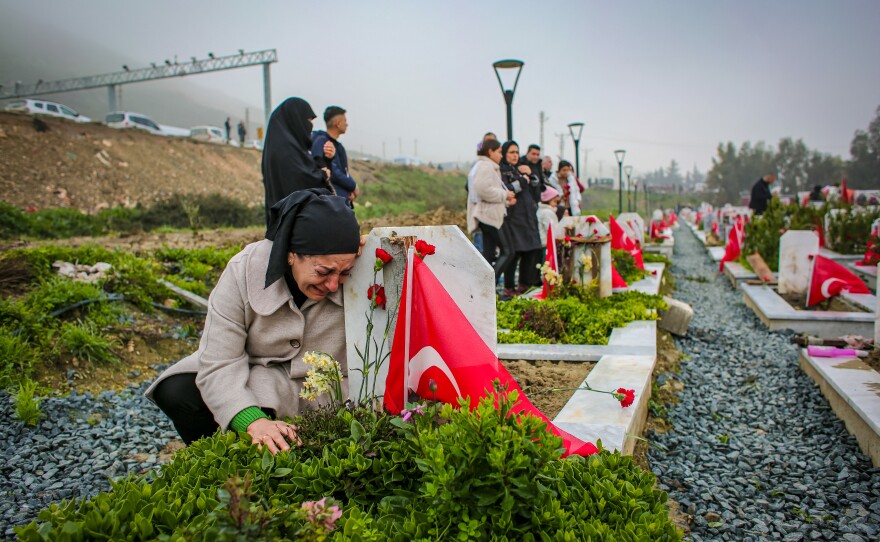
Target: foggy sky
(662,80)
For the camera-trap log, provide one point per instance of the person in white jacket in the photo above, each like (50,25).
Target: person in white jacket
(493,198)
(472,226)
(564,182)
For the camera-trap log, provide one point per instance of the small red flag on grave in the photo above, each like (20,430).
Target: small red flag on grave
(844,191)
(829,279)
(734,244)
(616,280)
(444,347)
(551,260)
(621,241)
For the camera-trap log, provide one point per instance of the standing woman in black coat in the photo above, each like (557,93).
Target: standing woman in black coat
(521,221)
(288,164)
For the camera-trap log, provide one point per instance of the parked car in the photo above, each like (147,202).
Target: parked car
(42,107)
(211,134)
(254,144)
(127,119)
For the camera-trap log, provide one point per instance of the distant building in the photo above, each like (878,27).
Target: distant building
(602,181)
(406,161)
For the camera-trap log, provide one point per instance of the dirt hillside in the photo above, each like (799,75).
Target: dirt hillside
(91,166)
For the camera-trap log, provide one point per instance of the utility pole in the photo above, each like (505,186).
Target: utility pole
(400,146)
(561,145)
(416,148)
(383,151)
(542,118)
(247,120)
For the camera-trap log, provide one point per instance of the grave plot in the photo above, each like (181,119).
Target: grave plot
(629,355)
(783,306)
(867,273)
(852,388)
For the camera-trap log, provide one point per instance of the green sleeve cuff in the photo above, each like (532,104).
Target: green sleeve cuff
(243,419)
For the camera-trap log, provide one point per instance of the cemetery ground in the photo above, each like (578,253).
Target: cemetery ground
(755,452)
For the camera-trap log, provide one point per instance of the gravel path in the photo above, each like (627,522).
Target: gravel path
(81,442)
(756,453)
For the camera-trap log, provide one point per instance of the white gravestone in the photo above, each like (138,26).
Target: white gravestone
(459,267)
(634,225)
(795,265)
(590,227)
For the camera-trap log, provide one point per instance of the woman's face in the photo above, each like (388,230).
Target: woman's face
(512,155)
(318,276)
(495,155)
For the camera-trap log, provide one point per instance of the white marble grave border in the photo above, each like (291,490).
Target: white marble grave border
(867,273)
(776,314)
(853,391)
(666,248)
(738,274)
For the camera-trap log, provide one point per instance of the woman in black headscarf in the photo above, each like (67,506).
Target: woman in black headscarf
(248,371)
(522,220)
(288,164)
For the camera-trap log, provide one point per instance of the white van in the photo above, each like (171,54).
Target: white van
(127,119)
(211,134)
(42,107)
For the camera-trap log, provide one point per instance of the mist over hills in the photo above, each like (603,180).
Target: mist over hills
(31,50)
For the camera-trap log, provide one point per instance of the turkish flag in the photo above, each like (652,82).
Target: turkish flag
(673,218)
(734,244)
(829,279)
(844,191)
(444,347)
(616,280)
(550,259)
(621,241)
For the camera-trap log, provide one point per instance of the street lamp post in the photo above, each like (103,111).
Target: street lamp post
(508,64)
(576,129)
(646,199)
(619,154)
(628,169)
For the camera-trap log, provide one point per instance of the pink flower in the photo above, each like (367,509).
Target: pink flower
(407,413)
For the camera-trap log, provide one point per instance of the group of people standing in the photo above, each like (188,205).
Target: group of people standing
(512,201)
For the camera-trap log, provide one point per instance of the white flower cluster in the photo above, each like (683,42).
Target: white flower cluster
(586,261)
(550,275)
(324,377)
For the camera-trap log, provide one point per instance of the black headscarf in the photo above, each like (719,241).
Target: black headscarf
(309,222)
(288,164)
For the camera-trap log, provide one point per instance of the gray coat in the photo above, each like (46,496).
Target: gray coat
(254,340)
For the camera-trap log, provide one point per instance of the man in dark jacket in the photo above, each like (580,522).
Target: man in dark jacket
(761,194)
(337,124)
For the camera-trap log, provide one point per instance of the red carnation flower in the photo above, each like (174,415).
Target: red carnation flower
(423,248)
(626,397)
(376,293)
(382,257)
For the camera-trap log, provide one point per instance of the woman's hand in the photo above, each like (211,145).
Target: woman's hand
(273,434)
(511,198)
(524,169)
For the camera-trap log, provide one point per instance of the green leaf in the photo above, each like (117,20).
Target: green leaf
(357,430)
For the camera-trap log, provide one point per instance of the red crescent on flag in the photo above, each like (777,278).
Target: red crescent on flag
(827,284)
(426,358)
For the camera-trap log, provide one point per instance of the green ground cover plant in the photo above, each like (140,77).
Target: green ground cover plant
(27,403)
(850,231)
(572,319)
(445,474)
(51,319)
(626,266)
